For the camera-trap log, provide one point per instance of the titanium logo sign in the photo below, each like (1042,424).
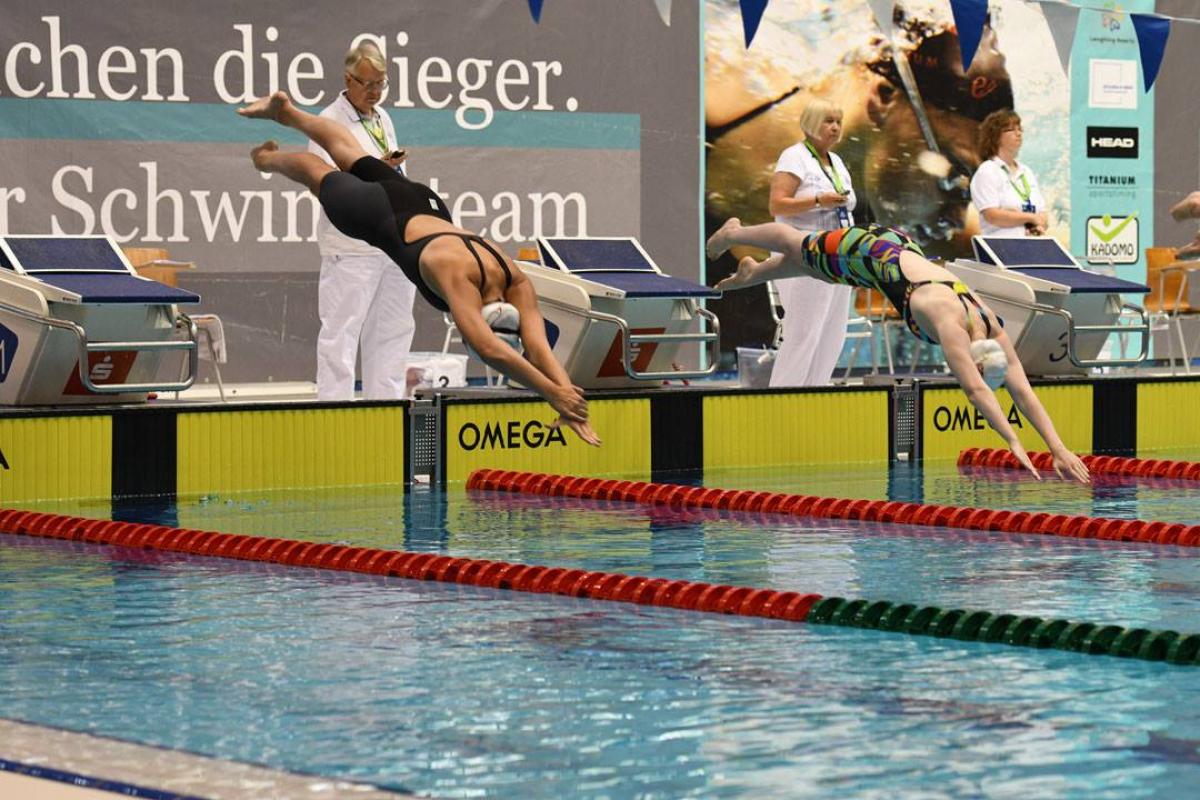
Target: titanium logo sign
(1112,240)
(1104,142)
(8,351)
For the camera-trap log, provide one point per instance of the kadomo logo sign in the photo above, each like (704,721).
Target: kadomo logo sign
(1112,240)
(1108,142)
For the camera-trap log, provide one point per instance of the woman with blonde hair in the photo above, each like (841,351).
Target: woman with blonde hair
(811,189)
(1005,191)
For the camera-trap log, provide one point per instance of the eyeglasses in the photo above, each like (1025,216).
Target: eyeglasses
(378,85)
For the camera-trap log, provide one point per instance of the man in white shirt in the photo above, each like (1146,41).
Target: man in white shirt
(364,300)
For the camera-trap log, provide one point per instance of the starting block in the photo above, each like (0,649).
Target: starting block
(613,318)
(1058,315)
(78,325)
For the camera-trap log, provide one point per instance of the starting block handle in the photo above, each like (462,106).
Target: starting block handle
(190,345)
(86,347)
(712,338)
(1086,363)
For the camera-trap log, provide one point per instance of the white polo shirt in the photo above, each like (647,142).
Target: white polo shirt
(799,161)
(994,185)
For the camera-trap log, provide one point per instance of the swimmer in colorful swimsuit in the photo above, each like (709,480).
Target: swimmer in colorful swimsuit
(935,306)
(456,271)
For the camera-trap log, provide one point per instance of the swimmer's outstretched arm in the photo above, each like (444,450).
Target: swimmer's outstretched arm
(1066,463)
(541,371)
(956,347)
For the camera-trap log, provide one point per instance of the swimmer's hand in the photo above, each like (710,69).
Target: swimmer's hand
(1018,450)
(582,429)
(568,401)
(1067,465)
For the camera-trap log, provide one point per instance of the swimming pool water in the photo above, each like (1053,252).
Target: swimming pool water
(464,692)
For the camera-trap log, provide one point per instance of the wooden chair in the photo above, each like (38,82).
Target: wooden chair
(1168,302)
(154,263)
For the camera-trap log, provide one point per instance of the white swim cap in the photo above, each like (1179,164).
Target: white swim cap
(505,321)
(992,361)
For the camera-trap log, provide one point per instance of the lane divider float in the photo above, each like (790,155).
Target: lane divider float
(892,512)
(1097,465)
(962,624)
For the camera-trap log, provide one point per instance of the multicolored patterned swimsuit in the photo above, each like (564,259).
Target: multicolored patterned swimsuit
(870,257)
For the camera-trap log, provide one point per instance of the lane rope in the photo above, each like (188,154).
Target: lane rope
(882,615)
(888,511)
(1097,465)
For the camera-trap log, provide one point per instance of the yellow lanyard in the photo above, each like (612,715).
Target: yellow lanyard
(829,171)
(1024,195)
(375,129)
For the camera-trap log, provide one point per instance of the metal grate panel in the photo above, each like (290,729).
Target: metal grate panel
(424,444)
(904,421)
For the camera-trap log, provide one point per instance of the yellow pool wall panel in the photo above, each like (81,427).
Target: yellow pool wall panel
(253,450)
(755,430)
(52,458)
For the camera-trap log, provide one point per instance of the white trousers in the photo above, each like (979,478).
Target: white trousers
(363,301)
(814,330)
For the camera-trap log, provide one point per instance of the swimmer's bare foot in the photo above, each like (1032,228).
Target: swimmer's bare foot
(1187,208)
(744,276)
(268,107)
(719,242)
(261,155)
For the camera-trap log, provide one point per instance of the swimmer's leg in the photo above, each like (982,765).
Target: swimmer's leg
(303,168)
(751,272)
(333,137)
(774,236)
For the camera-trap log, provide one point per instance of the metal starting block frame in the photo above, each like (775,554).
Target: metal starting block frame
(1057,314)
(614,319)
(78,325)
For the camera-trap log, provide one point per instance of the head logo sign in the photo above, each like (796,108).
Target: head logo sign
(1112,240)
(8,351)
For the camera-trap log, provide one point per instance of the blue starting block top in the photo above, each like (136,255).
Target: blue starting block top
(89,266)
(618,262)
(1084,282)
(1045,258)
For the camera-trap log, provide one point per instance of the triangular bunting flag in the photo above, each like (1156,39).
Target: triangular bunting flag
(535,8)
(969,18)
(752,11)
(664,11)
(884,11)
(1152,33)
(1063,20)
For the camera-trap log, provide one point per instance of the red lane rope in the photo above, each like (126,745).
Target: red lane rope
(1098,465)
(982,626)
(938,516)
(686,595)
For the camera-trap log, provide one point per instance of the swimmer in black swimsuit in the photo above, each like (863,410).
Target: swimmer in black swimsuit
(931,300)
(454,270)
